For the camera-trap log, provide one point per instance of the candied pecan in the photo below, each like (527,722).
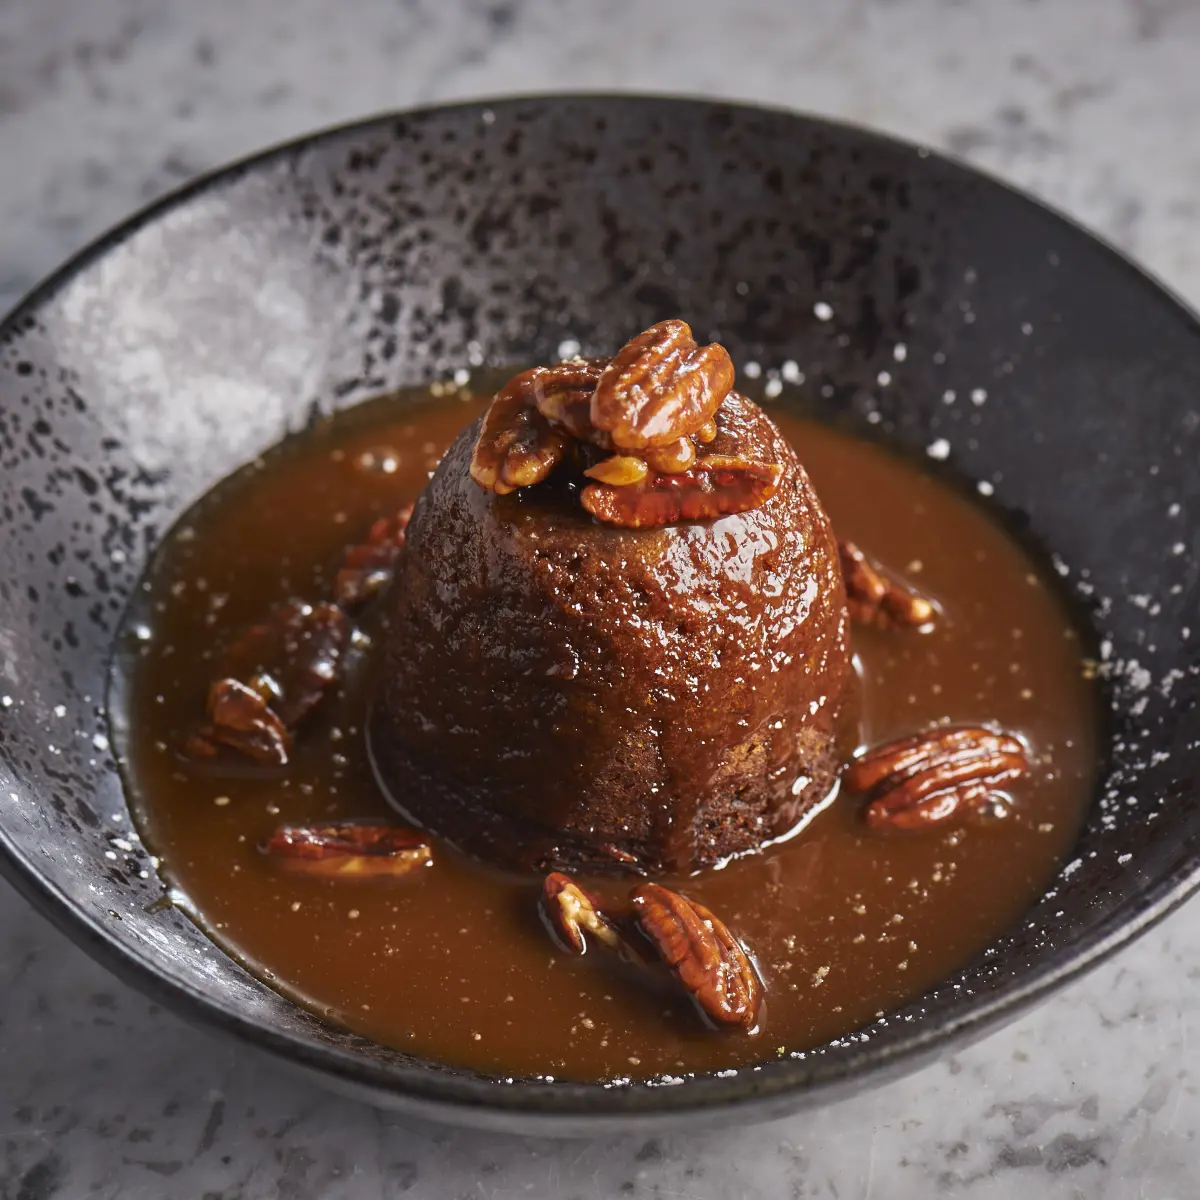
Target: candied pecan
(707,432)
(704,956)
(517,446)
(241,720)
(271,678)
(296,653)
(563,394)
(360,848)
(874,598)
(660,386)
(673,458)
(569,912)
(715,486)
(367,567)
(619,471)
(930,777)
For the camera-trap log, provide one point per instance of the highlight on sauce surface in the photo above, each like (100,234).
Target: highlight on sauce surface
(593,723)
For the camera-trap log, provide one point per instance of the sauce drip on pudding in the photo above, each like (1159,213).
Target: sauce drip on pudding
(446,956)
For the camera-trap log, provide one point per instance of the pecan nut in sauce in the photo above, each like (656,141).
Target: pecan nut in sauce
(367,567)
(715,486)
(931,777)
(270,680)
(240,719)
(704,956)
(874,598)
(570,913)
(660,386)
(517,446)
(349,848)
(296,655)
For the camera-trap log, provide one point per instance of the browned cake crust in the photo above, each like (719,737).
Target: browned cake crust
(561,693)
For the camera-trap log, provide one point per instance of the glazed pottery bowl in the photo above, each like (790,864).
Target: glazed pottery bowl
(386,254)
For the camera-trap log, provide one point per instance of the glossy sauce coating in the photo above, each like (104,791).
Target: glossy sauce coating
(451,961)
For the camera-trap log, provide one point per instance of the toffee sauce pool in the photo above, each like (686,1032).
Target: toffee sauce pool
(451,963)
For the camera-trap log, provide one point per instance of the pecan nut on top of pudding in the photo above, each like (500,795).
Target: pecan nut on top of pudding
(617,638)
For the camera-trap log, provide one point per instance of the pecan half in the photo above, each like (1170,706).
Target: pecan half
(874,598)
(293,657)
(359,848)
(271,678)
(367,567)
(563,394)
(660,386)
(704,956)
(715,486)
(570,913)
(931,777)
(241,720)
(517,446)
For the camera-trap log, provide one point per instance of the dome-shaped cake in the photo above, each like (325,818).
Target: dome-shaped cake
(651,688)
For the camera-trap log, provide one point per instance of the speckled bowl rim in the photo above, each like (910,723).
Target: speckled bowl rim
(565,1107)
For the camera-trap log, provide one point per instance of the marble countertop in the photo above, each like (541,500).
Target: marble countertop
(1091,104)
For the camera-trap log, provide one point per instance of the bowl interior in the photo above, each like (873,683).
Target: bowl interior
(387,254)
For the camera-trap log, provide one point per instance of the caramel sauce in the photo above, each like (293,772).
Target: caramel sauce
(451,963)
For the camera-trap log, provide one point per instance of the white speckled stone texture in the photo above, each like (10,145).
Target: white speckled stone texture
(1091,104)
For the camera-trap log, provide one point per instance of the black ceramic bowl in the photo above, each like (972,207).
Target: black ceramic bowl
(374,256)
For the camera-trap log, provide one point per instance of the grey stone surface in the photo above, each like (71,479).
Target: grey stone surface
(1090,104)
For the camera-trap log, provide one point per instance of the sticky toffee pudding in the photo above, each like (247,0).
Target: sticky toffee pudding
(568,733)
(677,677)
